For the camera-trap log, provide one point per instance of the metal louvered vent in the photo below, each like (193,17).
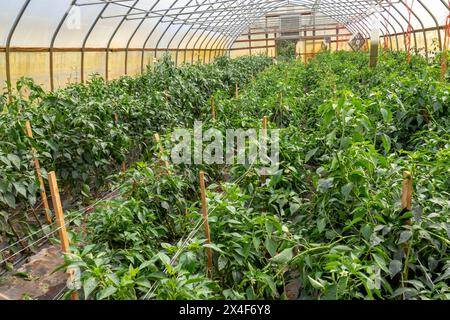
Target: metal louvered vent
(290,26)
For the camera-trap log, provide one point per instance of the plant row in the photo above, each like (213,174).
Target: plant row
(86,131)
(327,225)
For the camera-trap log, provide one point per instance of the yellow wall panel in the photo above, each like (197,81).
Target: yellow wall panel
(116,65)
(433,40)
(201,56)
(196,56)
(420,42)
(2,71)
(208,56)
(258,36)
(148,59)
(443,37)
(261,51)
(395,43)
(94,62)
(238,53)
(187,56)
(134,63)
(160,54)
(401,42)
(179,58)
(239,45)
(333,46)
(31,64)
(66,69)
(173,55)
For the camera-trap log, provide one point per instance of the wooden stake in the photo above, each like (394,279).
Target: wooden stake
(37,167)
(264,142)
(116,123)
(213,109)
(16,234)
(162,151)
(237,90)
(206,223)
(59,214)
(443,65)
(407,191)
(264,130)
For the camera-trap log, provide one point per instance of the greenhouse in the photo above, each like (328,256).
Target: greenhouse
(224,150)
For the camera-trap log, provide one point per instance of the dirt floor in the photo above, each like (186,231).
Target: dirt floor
(35,279)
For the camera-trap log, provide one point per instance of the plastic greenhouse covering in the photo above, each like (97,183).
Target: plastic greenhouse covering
(63,41)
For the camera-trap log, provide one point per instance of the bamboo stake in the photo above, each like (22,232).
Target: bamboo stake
(57,206)
(37,167)
(162,151)
(213,108)
(206,223)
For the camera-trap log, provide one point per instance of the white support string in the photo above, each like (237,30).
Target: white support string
(79,214)
(193,233)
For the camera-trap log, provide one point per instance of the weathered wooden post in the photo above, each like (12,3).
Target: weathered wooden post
(37,167)
(213,108)
(59,214)
(407,191)
(157,139)
(264,130)
(206,223)
(116,123)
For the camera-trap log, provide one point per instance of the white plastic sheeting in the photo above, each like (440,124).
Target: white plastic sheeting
(186,23)
(62,41)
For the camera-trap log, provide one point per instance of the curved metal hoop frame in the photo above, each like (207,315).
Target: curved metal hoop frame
(213,26)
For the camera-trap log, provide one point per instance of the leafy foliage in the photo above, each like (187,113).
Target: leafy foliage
(75,131)
(330,217)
